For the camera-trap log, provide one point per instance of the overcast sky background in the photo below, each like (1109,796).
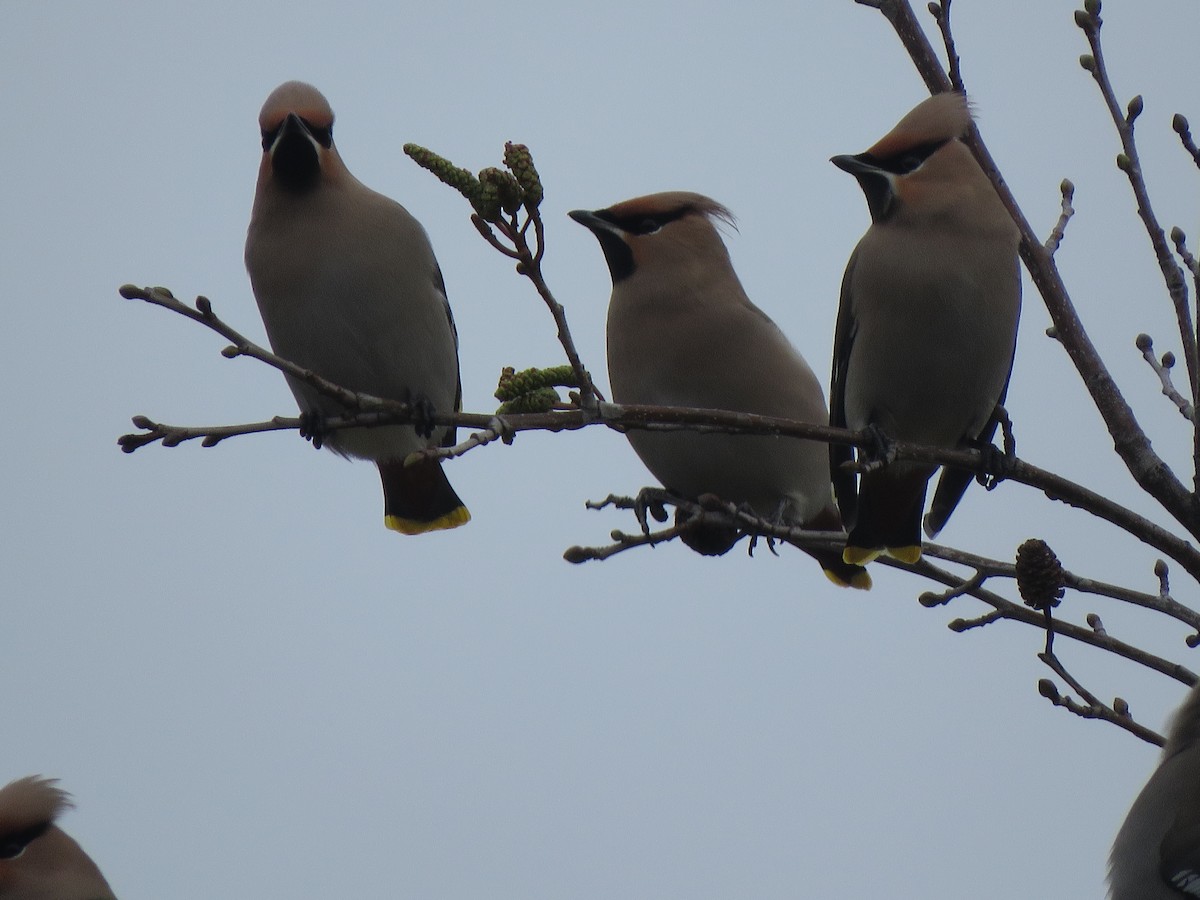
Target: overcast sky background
(254,690)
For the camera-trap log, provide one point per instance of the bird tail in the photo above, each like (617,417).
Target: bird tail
(837,570)
(950,489)
(717,540)
(840,572)
(890,503)
(418,497)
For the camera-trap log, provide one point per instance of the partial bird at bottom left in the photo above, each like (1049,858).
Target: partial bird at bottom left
(38,860)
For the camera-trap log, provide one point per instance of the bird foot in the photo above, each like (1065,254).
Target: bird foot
(995,464)
(775,520)
(880,453)
(651,500)
(312,428)
(500,427)
(423,412)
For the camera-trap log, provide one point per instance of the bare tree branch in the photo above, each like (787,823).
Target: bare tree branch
(1180,126)
(529,264)
(1179,239)
(1060,228)
(1163,370)
(1117,714)
(203,313)
(958,586)
(1129,162)
(509,201)
(941,14)
(375,411)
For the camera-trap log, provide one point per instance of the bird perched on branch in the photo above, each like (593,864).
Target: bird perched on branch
(38,860)
(348,287)
(1156,855)
(927,325)
(682,332)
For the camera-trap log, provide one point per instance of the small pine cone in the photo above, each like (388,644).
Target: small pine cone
(1039,575)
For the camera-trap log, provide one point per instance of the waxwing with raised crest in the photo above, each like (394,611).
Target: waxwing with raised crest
(682,332)
(927,325)
(38,860)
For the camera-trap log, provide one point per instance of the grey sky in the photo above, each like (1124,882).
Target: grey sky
(255,691)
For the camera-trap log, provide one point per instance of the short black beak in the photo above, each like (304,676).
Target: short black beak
(852,164)
(587,218)
(875,182)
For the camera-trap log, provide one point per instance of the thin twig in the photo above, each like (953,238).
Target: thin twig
(529,264)
(941,14)
(624,542)
(912,36)
(1129,162)
(509,201)
(1163,370)
(203,313)
(531,268)
(960,625)
(485,231)
(930,599)
(1179,239)
(1094,709)
(209,435)
(497,430)
(1002,608)
(1060,228)
(1016,612)
(1180,126)
(1159,603)
(694,513)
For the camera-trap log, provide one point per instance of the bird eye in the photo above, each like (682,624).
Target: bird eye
(648,226)
(323,136)
(912,159)
(13,844)
(269,135)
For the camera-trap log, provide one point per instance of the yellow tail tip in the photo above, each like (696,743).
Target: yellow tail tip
(859,580)
(910,554)
(452,519)
(860,556)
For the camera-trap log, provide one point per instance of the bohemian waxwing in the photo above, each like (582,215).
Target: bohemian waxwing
(927,325)
(682,332)
(1156,855)
(348,286)
(38,861)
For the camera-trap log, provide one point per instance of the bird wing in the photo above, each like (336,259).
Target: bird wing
(844,482)
(1179,853)
(953,483)
(451,437)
